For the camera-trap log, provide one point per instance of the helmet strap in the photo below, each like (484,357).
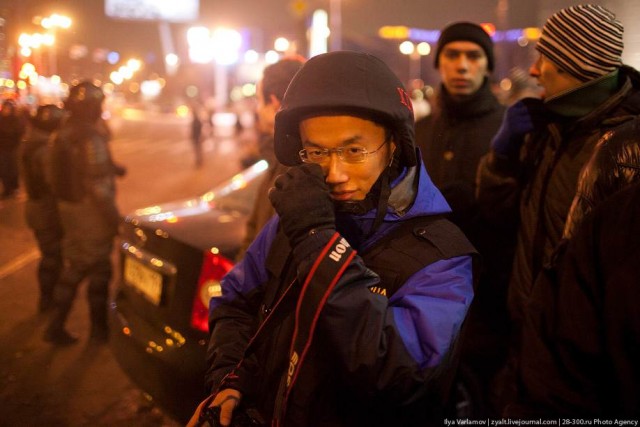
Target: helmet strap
(378,196)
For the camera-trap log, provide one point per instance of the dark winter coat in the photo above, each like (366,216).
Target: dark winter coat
(582,327)
(540,190)
(614,165)
(41,209)
(12,127)
(452,140)
(83,181)
(372,353)
(262,208)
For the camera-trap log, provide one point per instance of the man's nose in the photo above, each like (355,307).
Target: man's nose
(534,70)
(462,64)
(334,169)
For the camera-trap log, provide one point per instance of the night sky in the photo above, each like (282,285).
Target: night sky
(264,20)
(360,18)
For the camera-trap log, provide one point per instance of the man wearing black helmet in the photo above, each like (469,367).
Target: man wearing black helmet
(41,211)
(82,178)
(355,292)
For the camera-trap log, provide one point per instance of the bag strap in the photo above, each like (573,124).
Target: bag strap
(327,270)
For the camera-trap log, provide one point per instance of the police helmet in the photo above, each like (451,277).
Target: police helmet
(48,117)
(85,98)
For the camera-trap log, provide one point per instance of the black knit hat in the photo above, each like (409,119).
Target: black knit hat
(344,82)
(466,31)
(583,40)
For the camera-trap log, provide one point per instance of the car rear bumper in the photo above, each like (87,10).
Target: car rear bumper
(162,363)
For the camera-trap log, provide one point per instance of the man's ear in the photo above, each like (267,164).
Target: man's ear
(275,101)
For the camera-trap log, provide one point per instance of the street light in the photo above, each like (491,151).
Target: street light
(126,71)
(56,21)
(415,54)
(222,46)
(33,42)
(52,23)
(281,44)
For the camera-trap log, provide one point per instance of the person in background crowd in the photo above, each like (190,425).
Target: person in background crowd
(82,178)
(381,281)
(41,210)
(196,133)
(12,128)
(466,114)
(532,172)
(270,91)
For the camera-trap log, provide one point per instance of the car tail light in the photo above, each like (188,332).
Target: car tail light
(214,267)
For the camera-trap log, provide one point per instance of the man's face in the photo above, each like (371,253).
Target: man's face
(463,66)
(348,181)
(267,109)
(552,79)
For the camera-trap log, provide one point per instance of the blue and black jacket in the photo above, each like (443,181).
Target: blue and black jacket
(374,345)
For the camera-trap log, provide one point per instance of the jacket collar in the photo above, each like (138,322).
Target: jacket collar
(478,104)
(586,98)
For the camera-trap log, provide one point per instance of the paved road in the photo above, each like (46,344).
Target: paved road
(83,385)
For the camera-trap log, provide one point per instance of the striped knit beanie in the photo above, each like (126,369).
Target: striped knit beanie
(585,41)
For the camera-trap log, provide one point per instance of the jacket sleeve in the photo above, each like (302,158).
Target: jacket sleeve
(389,346)
(614,164)
(233,315)
(99,177)
(497,190)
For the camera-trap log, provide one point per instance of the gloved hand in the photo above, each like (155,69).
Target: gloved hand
(302,200)
(520,119)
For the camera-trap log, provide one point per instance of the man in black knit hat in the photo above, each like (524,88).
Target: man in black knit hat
(465,117)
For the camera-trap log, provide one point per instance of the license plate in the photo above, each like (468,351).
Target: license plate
(145,280)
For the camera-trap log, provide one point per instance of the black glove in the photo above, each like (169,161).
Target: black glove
(520,119)
(302,200)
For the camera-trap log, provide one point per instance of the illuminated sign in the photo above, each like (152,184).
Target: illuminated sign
(153,10)
(431,36)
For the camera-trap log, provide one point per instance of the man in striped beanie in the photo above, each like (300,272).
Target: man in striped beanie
(583,42)
(530,178)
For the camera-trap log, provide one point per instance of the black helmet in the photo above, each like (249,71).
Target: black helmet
(85,99)
(48,117)
(347,82)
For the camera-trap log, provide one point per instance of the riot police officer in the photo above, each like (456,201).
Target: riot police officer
(82,176)
(41,211)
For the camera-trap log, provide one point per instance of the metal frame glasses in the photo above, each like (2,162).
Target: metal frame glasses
(346,154)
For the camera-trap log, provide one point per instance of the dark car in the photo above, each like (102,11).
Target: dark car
(172,257)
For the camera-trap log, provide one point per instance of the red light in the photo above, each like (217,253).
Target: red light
(214,267)
(489,28)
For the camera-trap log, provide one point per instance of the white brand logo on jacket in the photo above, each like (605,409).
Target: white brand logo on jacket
(339,249)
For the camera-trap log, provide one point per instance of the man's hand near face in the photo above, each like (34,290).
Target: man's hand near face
(302,200)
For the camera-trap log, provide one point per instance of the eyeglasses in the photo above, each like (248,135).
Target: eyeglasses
(346,154)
